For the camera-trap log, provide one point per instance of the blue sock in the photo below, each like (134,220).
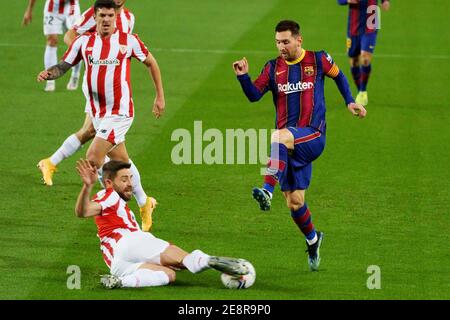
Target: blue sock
(276,165)
(356,75)
(302,218)
(365,74)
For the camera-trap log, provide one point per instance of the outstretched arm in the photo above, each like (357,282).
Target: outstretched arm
(54,72)
(85,207)
(159,104)
(28,16)
(344,88)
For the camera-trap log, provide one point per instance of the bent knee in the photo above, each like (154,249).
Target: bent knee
(85,134)
(283,136)
(295,203)
(366,58)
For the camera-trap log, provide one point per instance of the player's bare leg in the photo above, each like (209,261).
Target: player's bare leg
(97,151)
(146,204)
(301,215)
(51,58)
(87,131)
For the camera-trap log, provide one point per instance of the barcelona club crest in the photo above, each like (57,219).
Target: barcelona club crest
(309,71)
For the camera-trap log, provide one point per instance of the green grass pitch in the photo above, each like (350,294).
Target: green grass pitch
(380,191)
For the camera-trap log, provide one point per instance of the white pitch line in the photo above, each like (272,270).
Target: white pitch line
(257,52)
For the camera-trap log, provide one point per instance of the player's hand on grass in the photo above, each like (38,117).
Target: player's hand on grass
(357,109)
(385,5)
(87,172)
(240,67)
(158,107)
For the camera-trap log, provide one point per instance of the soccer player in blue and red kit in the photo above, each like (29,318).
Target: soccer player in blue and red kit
(296,80)
(363,25)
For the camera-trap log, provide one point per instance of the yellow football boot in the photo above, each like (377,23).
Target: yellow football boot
(146,213)
(362,98)
(48,169)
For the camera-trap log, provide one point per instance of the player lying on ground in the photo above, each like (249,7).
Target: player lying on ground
(135,258)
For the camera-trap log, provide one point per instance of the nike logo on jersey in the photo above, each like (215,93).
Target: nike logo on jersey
(281,72)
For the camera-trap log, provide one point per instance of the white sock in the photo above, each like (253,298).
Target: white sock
(50,56)
(68,148)
(145,278)
(196,261)
(76,71)
(138,190)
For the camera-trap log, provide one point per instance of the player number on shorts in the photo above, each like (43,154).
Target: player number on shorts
(48,20)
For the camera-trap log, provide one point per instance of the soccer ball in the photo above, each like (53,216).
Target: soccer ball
(240,282)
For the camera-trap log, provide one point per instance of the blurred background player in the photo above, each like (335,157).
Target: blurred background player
(124,23)
(135,258)
(107,90)
(362,29)
(296,80)
(59,16)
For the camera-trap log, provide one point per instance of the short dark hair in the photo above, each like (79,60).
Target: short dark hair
(111,168)
(108,4)
(290,25)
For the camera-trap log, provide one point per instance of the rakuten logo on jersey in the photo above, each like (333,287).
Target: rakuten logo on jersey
(289,88)
(103,62)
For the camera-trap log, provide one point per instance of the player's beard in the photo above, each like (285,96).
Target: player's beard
(126,193)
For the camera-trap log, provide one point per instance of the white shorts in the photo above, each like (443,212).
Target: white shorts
(133,250)
(55,23)
(112,128)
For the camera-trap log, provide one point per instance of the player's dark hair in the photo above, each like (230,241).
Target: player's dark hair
(108,4)
(290,25)
(111,168)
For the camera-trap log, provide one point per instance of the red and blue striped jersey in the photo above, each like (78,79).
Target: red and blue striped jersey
(297,88)
(358,16)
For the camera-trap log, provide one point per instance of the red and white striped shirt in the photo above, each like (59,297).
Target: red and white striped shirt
(124,22)
(106,82)
(115,221)
(61,6)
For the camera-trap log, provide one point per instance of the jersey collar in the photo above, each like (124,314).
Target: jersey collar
(298,60)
